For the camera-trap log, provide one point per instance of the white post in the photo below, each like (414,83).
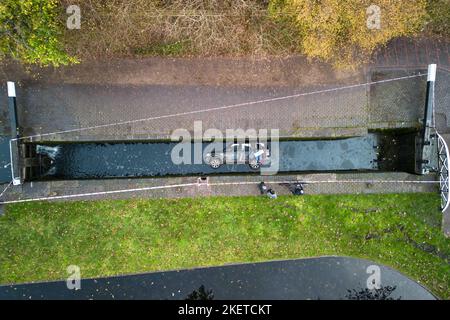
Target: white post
(11,89)
(432,68)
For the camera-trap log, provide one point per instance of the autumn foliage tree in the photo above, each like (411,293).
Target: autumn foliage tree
(343,31)
(29,32)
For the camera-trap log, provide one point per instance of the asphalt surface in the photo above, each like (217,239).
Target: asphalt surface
(313,278)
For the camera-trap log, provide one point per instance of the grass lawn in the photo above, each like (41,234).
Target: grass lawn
(39,240)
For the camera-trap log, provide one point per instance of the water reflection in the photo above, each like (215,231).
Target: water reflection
(382,293)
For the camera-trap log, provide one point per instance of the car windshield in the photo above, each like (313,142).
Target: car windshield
(231,148)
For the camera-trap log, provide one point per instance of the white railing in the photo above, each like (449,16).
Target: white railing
(443,172)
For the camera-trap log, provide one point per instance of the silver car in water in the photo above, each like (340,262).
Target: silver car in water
(253,154)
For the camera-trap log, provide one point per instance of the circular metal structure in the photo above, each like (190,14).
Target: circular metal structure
(443,172)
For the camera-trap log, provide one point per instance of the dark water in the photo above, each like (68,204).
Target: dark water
(147,159)
(5,167)
(314,278)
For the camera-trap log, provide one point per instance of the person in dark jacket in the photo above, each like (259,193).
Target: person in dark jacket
(298,189)
(262,188)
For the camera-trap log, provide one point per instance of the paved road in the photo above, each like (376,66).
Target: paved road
(313,278)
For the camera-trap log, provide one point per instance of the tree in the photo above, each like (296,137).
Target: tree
(343,31)
(29,32)
(201,294)
(383,293)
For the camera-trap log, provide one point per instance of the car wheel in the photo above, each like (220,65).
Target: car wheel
(214,163)
(254,165)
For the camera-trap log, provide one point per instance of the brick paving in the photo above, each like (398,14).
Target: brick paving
(327,183)
(73,106)
(413,53)
(402,103)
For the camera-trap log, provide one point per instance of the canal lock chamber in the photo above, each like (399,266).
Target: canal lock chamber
(385,151)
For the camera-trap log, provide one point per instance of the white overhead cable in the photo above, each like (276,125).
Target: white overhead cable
(243,104)
(79,195)
(4,190)
(100,193)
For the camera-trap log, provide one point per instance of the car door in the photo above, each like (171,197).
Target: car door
(246,154)
(262,152)
(231,155)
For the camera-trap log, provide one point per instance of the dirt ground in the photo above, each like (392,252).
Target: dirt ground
(289,71)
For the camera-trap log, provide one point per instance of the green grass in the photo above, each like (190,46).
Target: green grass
(39,240)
